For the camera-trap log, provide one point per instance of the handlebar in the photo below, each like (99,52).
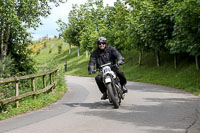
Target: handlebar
(107,64)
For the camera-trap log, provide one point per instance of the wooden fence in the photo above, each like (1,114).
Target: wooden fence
(34,92)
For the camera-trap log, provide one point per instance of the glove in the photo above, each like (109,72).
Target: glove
(91,72)
(120,62)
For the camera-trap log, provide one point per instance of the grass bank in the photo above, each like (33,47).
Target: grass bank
(185,77)
(44,60)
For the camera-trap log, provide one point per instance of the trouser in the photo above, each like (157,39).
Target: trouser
(99,79)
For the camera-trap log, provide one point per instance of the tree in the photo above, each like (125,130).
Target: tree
(62,26)
(74,27)
(186,33)
(153,25)
(16,17)
(119,25)
(135,30)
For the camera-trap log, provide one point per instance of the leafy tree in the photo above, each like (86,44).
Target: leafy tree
(74,27)
(89,32)
(119,26)
(86,23)
(9,67)
(16,17)
(94,24)
(153,25)
(135,30)
(62,26)
(186,34)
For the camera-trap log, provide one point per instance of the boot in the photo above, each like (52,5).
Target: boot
(104,97)
(124,89)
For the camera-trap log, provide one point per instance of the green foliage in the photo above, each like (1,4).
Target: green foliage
(185,15)
(59,48)
(16,17)
(9,67)
(119,26)
(86,24)
(62,26)
(28,104)
(149,73)
(50,50)
(45,45)
(38,52)
(145,25)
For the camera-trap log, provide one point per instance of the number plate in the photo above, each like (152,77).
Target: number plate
(106,69)
(108,80)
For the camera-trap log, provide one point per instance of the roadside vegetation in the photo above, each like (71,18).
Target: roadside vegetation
(15,59)
(160,41)
(185,76)
(43,61)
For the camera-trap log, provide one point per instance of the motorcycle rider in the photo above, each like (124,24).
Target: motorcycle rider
(102,55)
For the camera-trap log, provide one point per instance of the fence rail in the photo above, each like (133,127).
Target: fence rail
(32,77)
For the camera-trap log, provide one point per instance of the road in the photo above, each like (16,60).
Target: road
(147,108)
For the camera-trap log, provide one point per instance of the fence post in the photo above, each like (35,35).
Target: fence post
(33,86)
(56,74)
(51,80)
(44,81)
(65,64)
(17,92)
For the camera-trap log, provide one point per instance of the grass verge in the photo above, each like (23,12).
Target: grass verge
(185,77)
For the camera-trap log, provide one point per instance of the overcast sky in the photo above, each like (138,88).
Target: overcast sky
(49,24)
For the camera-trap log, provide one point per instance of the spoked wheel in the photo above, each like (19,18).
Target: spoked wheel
(113,95)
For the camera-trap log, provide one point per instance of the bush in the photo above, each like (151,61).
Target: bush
(6,68)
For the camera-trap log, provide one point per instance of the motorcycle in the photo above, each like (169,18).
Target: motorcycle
(111,81)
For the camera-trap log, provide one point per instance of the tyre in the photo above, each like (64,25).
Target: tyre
(113,94)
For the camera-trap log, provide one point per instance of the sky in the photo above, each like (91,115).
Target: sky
(61,12)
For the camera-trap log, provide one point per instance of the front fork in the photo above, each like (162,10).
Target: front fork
(118,86)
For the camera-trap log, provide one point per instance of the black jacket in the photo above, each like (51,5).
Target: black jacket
(100,57)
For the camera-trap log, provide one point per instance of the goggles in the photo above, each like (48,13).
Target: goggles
(101,43)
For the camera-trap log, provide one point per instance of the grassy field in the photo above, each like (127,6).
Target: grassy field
(184,77)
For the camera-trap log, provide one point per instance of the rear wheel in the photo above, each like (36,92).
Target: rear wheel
(113,94)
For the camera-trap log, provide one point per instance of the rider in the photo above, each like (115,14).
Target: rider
(102,55)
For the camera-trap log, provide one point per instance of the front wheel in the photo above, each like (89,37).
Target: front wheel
(113,95)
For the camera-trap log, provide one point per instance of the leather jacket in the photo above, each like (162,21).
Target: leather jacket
(100,57)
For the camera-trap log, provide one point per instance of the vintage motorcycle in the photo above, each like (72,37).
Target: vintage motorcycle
(111,81)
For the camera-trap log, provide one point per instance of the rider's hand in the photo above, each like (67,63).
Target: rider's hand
(120,62)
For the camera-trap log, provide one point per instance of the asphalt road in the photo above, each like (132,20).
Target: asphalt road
(147,108)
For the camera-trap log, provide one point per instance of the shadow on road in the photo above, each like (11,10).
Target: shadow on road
(147,87)
(95,105)
(167,115)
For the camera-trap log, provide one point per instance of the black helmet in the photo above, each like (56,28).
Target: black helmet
(101,40)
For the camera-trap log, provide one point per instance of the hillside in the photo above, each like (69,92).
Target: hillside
(184,77)
(47,56)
